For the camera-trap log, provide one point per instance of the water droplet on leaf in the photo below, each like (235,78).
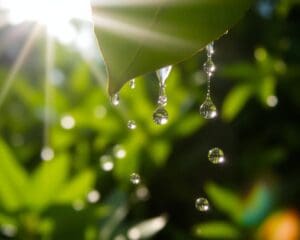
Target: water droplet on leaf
(115,99)
(160,116)
(216,156)
(135,178)
(202,204)
(208,109)
(131,124)
(210,49)
(132,83)
(163,74)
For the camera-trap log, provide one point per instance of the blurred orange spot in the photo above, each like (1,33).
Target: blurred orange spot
(281,226)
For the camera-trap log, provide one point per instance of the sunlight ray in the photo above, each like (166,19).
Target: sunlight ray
(140,33)
(19,63)
(100,77)
(49,62)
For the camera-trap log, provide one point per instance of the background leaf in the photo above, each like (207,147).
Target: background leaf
(217,230)
(13,180)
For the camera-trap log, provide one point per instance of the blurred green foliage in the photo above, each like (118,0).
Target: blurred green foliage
(256,90)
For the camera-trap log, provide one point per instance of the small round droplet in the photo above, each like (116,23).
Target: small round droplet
(216,156)
(132,83)
(160,116)
(202,204)
(209,67)
(135,178)
(131,125)
(163,74)
(208,109)
(115,99)
(106,163)
(47,153)
(162,100)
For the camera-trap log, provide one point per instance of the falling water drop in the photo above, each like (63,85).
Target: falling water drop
(208,109)
(131,125)
(216,156)
(132,83)
(135,178)
(115,99)
(160,116)
(202,204)
(163,74)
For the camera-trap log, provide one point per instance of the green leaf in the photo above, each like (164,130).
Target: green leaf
(225,200)
(47,180)
(220,230)
(137,37)
(78,187)
(235,101)
(13,180)
(148,228)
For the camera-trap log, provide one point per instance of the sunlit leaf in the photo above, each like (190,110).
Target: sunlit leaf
(137,37)
(147,228)
(225,200)
(77,188)
(235,101)
(13,180)
(47,181)
(217,230)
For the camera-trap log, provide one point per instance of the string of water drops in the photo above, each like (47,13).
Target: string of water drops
(160,115)
(208,109)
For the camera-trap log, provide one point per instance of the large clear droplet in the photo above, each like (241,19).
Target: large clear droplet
(115,99)
(132,83)
(131,125)
(209,67)
(202,204)
(106,163)
(135,178)
(160,116)
(216,156)
(163,74)
(208,109)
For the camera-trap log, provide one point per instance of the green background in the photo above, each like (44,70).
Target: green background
(257,59)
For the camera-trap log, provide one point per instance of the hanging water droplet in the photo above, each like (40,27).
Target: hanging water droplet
(216,156)
(202,204)
(163,74)
(131,125)
(115,99)
(210,49)
(160,116)
(135,178)
(132,83)
(208,109)
(162,100)
(106,163)
(209,67)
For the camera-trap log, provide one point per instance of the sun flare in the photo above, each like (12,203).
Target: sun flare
(56,15)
